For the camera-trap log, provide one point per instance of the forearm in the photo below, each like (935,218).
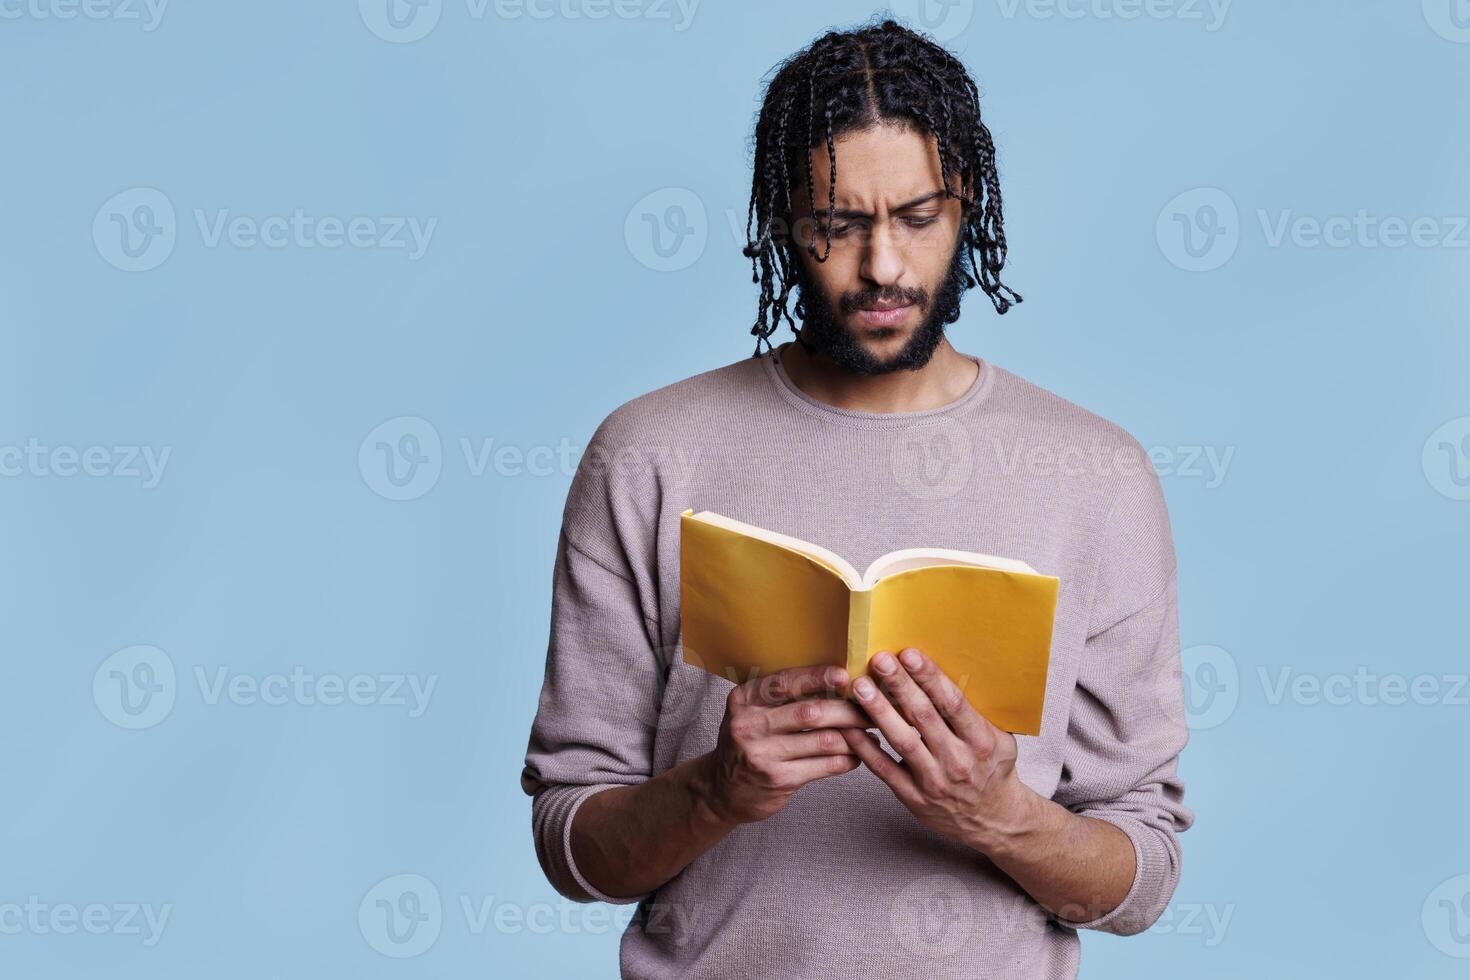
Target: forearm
(629,840)
(1076,867)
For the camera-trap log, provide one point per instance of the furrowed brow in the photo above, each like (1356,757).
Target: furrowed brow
(848,214)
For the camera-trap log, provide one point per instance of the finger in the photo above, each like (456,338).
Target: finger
(799,772)
(947,698)
(914,704)
(905,738)
(882,764)
(792,683)
(815,713)
(806,745)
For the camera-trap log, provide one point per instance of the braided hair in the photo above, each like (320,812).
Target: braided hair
(853,80)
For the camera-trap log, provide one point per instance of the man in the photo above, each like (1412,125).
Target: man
(772,828)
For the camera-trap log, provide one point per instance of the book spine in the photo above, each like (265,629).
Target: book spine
(859,613)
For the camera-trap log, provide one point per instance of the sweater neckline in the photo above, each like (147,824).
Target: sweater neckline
(787,389)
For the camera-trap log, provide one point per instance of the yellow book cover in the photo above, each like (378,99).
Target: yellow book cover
(755,601)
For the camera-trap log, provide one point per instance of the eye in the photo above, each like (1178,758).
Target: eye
(843,230)
(921,222)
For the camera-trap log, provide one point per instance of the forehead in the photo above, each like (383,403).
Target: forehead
(882,165)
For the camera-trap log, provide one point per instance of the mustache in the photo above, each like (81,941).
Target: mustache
(871,297)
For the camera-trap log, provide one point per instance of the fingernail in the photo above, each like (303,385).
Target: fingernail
(884,663)
(836,676)
(864,688)
(911,659)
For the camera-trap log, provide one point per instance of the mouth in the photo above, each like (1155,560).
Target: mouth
(883,316)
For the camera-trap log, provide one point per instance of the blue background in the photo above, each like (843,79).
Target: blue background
(1336,539)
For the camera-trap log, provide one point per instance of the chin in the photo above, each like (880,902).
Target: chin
(881,340)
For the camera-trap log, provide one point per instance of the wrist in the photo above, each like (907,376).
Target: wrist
(1017,821)
(710,811)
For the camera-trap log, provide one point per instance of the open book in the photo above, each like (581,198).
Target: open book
(754,602)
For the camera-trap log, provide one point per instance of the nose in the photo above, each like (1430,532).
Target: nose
(882,262)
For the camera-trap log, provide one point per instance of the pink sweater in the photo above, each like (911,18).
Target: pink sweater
(844,882)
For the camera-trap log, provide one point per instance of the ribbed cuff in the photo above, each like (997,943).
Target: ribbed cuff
(553,811)
(1153,880)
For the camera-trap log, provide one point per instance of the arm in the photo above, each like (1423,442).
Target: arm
(1126,731)
(958,776)
(632,839)
(606,828)
(1077,868)
(1103,852)
(1127,725)
(594,726)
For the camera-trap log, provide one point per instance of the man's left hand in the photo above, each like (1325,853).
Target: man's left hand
(958,771)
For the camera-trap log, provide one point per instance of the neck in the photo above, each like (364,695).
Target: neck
(947,376)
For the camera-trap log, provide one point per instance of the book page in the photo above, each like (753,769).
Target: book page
(815,552)
(907,558)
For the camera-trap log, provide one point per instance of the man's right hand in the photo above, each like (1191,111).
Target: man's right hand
(780,732)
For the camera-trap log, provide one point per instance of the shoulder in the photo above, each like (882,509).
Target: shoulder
(1047,418)
(1064,445)
(1068,452)
(677,408)
(647,445)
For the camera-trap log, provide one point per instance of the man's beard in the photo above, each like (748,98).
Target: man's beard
(821,332)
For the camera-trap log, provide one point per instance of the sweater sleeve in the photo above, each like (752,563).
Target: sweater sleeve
(589,732)
(1127,724)
(598,712)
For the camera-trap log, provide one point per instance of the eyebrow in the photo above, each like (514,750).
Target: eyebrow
(850,213)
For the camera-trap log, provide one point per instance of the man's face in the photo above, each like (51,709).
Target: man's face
(895,272)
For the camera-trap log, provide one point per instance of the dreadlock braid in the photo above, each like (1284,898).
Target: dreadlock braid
(854,80)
